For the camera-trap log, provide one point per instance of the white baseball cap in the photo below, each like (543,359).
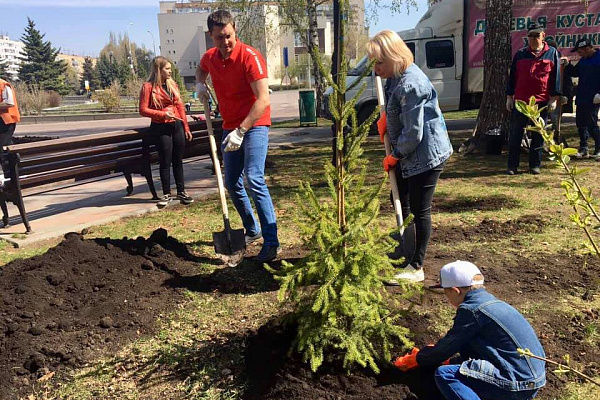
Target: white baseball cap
(459,274)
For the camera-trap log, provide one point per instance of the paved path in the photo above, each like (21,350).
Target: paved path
(54,210)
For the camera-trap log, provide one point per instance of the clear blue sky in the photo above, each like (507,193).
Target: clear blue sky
(82,26)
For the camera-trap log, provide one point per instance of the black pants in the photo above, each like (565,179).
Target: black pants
(170,143)
(586,119)
(416,194)
(6,134)
(518,122)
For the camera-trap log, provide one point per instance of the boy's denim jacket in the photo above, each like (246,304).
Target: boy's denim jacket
(487,333)
(415,122)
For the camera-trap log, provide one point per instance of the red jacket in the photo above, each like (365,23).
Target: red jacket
(149,109)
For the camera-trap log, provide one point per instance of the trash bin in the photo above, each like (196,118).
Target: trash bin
(308,111)
(494,141)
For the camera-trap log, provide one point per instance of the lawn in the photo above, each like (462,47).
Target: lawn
(517,229)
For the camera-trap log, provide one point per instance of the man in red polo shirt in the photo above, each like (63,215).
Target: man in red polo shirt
(239,76)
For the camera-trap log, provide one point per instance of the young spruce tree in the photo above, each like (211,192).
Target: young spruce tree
(337,292)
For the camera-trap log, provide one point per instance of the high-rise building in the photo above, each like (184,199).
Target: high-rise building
(184,34)
(10,51)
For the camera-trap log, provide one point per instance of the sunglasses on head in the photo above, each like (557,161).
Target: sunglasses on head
(534,35)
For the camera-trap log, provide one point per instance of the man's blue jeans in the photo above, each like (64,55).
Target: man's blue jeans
(249,161)
(455,386)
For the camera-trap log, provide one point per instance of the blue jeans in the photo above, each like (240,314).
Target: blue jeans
(455,386)
(249,161)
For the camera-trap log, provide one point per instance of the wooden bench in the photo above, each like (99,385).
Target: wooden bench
(129,152)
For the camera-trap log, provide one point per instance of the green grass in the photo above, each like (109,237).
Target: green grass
(461,114)
(295,123)
(193,345)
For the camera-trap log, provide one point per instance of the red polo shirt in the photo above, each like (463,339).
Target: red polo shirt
(231,79)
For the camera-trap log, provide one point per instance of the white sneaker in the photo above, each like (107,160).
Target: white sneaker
(408,274)
(581,154)
(164,201)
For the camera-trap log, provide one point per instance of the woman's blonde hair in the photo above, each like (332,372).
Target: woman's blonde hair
(388,45)
(156,79)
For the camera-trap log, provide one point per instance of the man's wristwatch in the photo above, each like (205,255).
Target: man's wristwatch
(242,130)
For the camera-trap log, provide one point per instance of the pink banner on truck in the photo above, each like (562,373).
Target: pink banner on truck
(565,21)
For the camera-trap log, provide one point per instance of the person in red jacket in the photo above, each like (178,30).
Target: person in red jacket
(160,100)
(9,116)
(535,71)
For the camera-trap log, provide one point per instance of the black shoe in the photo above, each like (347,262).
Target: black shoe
(268,253)
(511,172)
(535,171)
(184,198)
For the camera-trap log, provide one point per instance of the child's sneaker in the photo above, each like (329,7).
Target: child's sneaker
(164,201)
(184,198)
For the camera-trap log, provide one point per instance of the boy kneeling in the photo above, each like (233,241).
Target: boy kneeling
(487,333)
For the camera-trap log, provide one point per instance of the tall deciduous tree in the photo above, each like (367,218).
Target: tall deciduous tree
(39,64)
(496,65)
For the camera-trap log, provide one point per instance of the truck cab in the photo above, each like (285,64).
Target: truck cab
(437,45)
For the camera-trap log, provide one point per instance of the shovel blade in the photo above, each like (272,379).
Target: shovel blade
(230,248)
(406,245)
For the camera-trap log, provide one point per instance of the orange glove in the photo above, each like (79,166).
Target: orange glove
(389,162)
(382,126)
(407,362)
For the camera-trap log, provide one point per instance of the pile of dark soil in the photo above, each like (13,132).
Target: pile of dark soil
(81,299)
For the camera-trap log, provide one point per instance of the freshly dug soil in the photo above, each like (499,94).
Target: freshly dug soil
(87,298)
(81,299)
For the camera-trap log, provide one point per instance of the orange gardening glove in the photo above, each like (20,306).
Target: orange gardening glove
(389,162)
(382,126)
(407,362)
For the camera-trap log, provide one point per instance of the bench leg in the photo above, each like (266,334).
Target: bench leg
(150,181)
(21,208)
(129,183)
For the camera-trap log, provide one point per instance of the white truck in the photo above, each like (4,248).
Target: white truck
(448,45)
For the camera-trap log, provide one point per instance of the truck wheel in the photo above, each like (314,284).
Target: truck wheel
(364,113)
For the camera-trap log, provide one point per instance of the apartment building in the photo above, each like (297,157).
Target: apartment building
(75,61)
(184,34)
(10,51)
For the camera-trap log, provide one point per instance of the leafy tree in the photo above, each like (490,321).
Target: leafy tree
(71,78)
(337,294)
(107,70)
(176,75)
(143,59)
(40,65)
(90,74)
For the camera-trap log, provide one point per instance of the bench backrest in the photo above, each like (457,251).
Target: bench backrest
(99,154)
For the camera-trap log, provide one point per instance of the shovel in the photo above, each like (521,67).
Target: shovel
(406,242)
(230,244)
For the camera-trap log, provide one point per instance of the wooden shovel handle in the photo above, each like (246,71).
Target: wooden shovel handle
(388,151)
(216,163)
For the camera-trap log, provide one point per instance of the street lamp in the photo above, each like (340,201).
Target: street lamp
(153,44)
(130,53)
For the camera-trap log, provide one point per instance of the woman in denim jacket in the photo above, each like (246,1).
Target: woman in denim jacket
(487,333)
(418,134)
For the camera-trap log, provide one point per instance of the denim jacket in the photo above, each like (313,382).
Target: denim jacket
(415,123)
(487,333)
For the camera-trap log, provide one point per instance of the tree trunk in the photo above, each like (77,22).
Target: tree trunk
(496,65)
(313,43)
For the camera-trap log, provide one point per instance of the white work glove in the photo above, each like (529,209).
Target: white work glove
(233,141)
(597,98)
(510,103)
(202,91)
(552,105)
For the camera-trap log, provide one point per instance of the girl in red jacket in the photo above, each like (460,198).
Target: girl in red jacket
(160,100)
